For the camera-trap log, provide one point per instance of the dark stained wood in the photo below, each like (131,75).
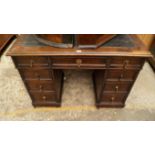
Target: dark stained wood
(113,99)
(36,74)
(126,62)
(43,85)
(113,88)
(116,65)
(40,85)
(79,62)
(30,62)
(121,74)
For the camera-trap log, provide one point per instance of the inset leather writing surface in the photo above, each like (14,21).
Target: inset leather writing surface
(121,40)
(56,40)
(71,40)
(92,40)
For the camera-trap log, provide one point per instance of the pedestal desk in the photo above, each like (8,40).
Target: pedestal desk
(115,66)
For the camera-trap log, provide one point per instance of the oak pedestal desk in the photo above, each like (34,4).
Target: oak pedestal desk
(115,67)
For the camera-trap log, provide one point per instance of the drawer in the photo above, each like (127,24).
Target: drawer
(40,85)
(36,74)
(38,61)
(126,62)
(117,86)
(43,98)
(113,99)
(120,74)
(78,62)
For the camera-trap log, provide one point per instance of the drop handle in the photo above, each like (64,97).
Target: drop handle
(116,88)
(112,98)
(44,98)
(78,62)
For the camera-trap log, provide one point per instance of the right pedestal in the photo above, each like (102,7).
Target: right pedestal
(113,84)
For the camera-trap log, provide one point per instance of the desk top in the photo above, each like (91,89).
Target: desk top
(121,45)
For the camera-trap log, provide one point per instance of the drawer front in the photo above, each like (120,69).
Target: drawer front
(126,62)
(38,61)
(118,74)
(36,74)
(78,62)
(117,86)
(43,97)
(113,99)
(40,85)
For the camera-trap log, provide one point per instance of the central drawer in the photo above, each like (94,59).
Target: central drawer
(79,62)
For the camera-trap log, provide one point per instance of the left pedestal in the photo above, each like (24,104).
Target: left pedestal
(43,84)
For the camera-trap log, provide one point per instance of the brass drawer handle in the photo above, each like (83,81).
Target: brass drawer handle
(112,98)
(116,88)
(44,98)
(79,62)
